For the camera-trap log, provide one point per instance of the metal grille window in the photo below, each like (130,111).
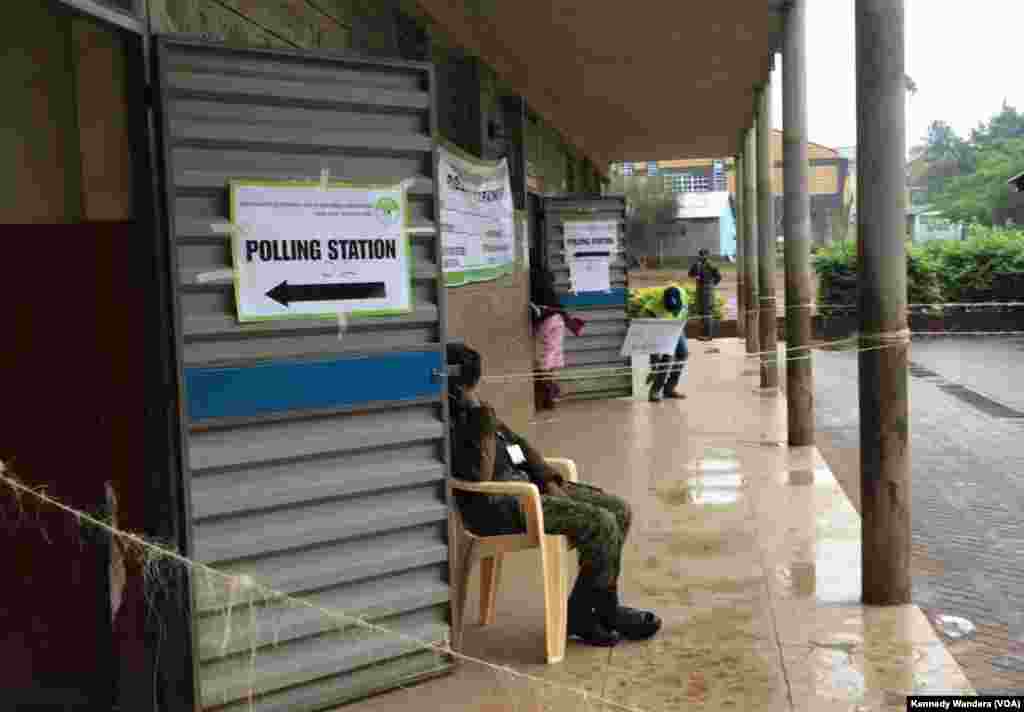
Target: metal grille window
(674,184)
(694,184)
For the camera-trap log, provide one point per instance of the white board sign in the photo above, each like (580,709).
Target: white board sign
(477,224)
(652,336)
(584,236)
(304,250)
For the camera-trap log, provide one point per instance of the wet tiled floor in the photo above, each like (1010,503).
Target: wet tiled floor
(748,550)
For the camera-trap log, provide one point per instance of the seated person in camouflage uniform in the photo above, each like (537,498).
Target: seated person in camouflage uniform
(484,449)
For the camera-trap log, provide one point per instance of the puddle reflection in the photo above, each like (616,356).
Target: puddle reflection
(704,491)
(717,481)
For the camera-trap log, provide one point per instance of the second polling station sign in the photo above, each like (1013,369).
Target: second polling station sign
(311,250)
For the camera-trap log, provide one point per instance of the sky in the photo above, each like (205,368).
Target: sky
(964,57)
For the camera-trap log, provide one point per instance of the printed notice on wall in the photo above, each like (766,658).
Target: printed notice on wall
(589,248)
(590,236)
(477,224)
(590,274)
(304,250)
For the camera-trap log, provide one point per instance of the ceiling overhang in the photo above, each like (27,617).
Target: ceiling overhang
(647,80)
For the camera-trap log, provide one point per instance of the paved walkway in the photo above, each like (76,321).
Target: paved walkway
(749,551)
(967,423)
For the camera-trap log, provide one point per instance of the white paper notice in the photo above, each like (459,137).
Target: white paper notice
(652,336)
(308,252)
(477,222)
(590,274)
(583,236)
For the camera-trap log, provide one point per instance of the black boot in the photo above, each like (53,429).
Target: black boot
(630,623)
(606,607)
(584,622)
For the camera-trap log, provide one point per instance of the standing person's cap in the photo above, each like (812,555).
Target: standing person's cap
(673,300)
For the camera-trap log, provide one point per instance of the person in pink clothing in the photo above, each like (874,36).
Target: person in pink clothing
(549,324)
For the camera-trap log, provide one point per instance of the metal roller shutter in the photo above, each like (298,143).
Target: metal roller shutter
(315,455)
(588,357)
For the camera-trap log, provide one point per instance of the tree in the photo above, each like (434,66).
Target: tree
(944,156)
(649,202)
(972,198)
(1007,124)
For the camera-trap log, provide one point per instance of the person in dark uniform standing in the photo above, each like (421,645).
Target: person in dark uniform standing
(707,277)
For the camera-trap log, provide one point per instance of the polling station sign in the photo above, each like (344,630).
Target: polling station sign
(307,250)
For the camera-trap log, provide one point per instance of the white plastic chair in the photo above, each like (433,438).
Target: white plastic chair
(466,548)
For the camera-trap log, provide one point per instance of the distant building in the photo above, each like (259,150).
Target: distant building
(704,220)
(830,182)
(710,224)
(1014,210)
(925,225)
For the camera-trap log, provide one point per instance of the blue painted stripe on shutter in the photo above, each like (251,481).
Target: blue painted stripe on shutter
(240,392)
(595,299)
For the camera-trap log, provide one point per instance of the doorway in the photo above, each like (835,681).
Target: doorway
(535,220)
(84,383)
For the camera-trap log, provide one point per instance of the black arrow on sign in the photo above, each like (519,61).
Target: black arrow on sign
(285,293)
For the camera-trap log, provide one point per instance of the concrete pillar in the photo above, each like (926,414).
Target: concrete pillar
(799,294)
(750,242)
(882,376)
(741,318)
(768,321)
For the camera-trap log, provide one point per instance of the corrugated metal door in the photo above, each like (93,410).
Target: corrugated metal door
(605,313)
(314,451)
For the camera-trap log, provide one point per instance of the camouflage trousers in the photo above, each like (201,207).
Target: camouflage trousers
(596,522)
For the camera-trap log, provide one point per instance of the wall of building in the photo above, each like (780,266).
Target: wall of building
(40,181)
(492,316)
(68,183)
(657,241)
(324,25)
(100,76)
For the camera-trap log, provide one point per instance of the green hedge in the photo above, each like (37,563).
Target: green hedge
(968,268)
(679,263)
(633,311)
(971,270)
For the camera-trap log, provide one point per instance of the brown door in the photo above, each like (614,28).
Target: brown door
(71,361)
(66,386)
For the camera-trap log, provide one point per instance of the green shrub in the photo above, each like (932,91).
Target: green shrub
(633,309)
(717,308)
(836,266)
(924,284)
(967,268)
(937,271)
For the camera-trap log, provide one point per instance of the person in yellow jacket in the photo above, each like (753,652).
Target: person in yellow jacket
(669,302)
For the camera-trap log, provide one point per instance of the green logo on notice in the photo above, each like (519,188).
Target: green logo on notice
(388,210)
